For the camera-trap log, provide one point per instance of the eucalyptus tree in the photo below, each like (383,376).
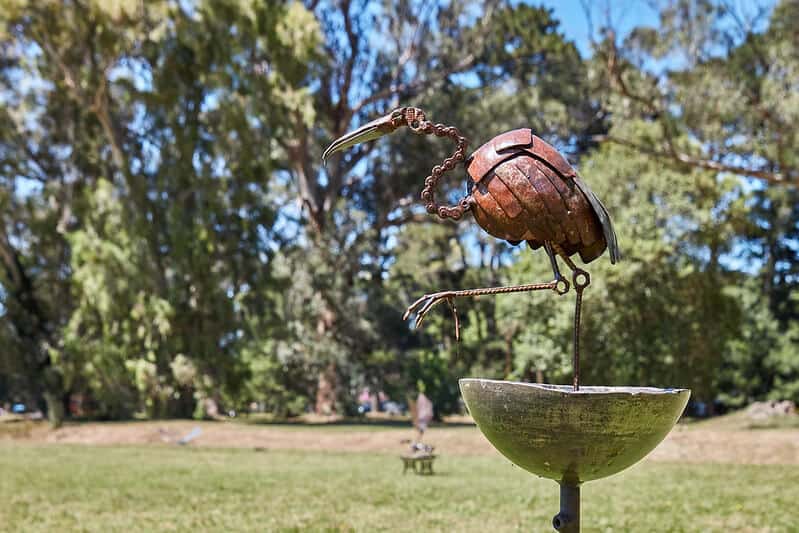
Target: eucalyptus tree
(450,58)
(136,168)
(376,56)
(716,82)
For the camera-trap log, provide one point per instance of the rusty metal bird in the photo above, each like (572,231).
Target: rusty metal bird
(520,189)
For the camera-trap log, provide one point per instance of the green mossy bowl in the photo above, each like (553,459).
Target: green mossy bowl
(572,436)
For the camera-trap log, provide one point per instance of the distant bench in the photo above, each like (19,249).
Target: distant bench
(419,463)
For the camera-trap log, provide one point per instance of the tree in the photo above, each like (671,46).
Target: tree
(169,237)
(350,208)
(715,83)
(152,125)
(355,207)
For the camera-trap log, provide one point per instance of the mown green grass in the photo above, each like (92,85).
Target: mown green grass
(75,488)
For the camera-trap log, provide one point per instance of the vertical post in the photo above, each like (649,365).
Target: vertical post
(576,360)
(568,519)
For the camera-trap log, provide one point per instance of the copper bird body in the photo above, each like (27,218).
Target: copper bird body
(524,190)
(520,189)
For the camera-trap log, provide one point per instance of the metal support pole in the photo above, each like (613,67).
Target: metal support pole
(568,519)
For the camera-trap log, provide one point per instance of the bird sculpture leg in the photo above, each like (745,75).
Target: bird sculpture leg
(581,279)
(421,306)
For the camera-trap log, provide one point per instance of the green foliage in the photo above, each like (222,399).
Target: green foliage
(662,316)
(431,373)
(155,193)
(119,326)
(712,83)
(761,361)
(169,237)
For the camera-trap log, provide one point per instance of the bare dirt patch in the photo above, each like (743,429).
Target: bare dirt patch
(706,442)
(736,446)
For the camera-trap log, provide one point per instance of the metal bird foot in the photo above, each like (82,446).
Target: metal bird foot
(424,304)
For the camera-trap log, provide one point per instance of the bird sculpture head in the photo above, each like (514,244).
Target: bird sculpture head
(412,117)
(415,119)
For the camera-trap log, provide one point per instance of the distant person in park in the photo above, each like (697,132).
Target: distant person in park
(424,414)
(365,401)
(382,398)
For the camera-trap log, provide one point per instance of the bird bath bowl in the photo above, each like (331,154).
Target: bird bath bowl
(572,436)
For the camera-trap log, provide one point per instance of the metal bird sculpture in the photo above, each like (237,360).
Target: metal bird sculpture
(519,189)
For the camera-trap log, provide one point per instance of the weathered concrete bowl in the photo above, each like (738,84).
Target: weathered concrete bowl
(572,436)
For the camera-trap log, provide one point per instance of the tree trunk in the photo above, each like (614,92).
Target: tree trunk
(33,327)
(327,386)
(55,409)
(508,355)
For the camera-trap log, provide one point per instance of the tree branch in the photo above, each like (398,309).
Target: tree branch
(660,115)
(706,164)
(424,82)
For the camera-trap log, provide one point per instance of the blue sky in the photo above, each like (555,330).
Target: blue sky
(624,15)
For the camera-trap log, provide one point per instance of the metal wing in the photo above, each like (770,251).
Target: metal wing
(604,219)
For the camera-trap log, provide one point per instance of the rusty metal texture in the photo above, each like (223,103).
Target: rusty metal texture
(524,190)
(419,124)
(521,190)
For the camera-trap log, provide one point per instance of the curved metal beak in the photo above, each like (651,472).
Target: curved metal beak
(368,132)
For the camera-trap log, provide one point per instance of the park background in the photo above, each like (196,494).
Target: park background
(171,245)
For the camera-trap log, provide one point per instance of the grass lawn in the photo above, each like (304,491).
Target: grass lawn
(157,488)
